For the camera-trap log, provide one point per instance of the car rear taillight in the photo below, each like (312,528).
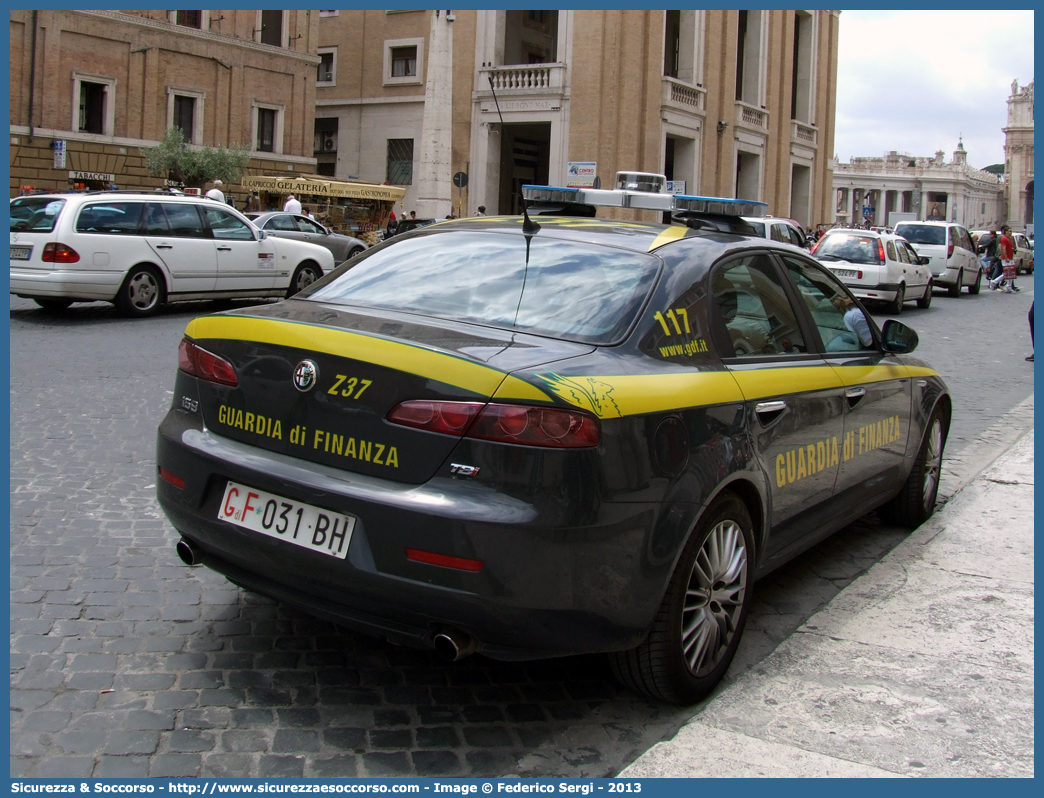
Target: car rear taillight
(536,426)
(452,418)
(949,251)
(880,250)
(205,365)
(59,253)
(532,426)
(815,247)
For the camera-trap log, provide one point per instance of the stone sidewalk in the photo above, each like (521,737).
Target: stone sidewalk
(921,667)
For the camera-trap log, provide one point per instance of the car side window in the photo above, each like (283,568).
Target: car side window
(113,218)
(281,222)
(156,223)
(228,227)
(779,234)
(911,253)
(891,251)
(795,237)
(903,253)
(842,324)
(184,220)
(750,299)
(308,226)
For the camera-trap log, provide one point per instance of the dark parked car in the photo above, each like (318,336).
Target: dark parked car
(539,439)
(406,225)
(302,228)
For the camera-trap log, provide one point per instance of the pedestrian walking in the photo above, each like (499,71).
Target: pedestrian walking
(216,193)
(1007,253)
(481,210)
(292,205)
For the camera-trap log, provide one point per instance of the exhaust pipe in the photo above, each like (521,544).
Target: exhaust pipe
(454,644)
(189,553)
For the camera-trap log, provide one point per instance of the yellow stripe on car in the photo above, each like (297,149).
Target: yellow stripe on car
(417,360)
(672,233)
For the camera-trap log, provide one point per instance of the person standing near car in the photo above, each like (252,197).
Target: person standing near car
(216,193)
(987,247)
(292,205)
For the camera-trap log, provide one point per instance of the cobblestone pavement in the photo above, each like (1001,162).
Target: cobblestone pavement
(127,663)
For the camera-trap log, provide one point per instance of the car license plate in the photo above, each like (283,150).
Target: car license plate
(21,253)
(295,522)
(849,273)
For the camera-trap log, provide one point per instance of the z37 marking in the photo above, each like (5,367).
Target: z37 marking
(351,384)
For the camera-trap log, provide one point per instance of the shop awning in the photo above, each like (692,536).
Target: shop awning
(316,186)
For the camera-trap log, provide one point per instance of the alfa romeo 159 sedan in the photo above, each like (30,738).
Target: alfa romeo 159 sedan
(534,440)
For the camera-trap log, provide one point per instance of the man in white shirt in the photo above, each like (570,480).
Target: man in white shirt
(216,193)
(292,205)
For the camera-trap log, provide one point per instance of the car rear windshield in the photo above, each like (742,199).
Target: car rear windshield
(35,214)
(565,289)
(922,233)
(850,247)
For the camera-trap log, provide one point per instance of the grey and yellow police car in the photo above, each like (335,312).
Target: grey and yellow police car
(549,435)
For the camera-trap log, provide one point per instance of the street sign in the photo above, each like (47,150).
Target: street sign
(460,179)
(675,186)
(867,212)
(59,153)
(581,174)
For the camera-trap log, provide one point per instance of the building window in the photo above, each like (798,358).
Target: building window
(326,72)
(403,61)
(184,114)
(271,28)
(329,14)
(326,134)
(189,19)
(267,127)
(185,110)
(400,162)
(749,51)
(801,82)
(672,44)
(93,103)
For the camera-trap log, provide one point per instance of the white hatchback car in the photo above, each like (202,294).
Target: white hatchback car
(876,267)
(141,250)
(782,230)
(953,261)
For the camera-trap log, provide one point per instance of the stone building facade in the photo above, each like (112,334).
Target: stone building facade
(90,88)
(1018,157)
(927,188)
(732,103)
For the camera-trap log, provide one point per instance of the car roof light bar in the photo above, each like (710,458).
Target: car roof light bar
(646,200)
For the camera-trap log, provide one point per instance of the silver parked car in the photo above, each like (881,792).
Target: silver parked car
(303,228)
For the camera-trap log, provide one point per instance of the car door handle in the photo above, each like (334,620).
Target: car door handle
(164,246)
(770,407)
(853,395)
(225,248)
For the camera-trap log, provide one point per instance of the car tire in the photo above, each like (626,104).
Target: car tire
(975,287)
(709,594)
(52,305)
(895,307)
(305,274)
(955,289)
(143,292)
(915,502)
(926,300)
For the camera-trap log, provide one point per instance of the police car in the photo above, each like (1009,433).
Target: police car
(539,436)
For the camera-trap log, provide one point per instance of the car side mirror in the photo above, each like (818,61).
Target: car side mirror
(898,338)
(261,235)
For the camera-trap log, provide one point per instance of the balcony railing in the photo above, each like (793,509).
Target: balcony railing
(683,96)
(749,116)
(806,134)
(524,79)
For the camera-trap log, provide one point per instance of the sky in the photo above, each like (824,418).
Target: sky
(917,81)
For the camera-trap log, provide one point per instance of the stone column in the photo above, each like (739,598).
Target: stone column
(434,166)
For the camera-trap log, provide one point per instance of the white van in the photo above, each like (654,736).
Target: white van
(949,247)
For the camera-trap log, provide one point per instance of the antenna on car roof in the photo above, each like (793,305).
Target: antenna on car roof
(528,225)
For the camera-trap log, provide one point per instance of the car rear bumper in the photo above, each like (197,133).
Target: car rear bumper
(882,292)
(65,283)
(546,587)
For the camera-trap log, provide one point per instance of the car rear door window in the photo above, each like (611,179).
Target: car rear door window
(281,222)
(308,226)
(757,315)
(184,220)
